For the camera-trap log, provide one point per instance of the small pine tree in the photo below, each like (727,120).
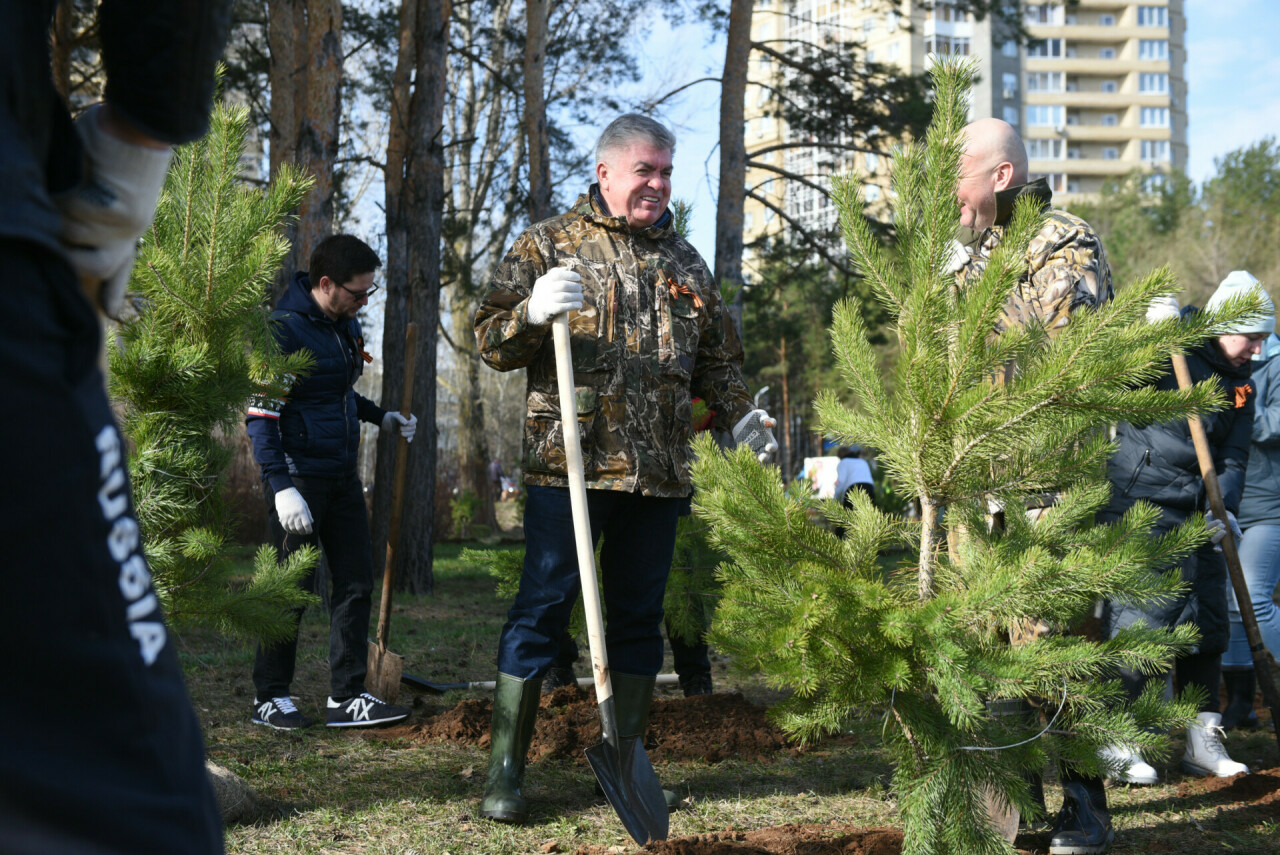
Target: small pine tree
(183,368)
(924,646)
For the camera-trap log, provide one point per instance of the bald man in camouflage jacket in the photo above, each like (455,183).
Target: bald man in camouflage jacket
(649,333)
(1066,270)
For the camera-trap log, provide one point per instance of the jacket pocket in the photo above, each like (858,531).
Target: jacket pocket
(1137,471)
(544,431)
(681,314)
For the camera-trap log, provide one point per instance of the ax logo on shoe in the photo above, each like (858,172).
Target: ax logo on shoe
(359,709)
(266,711)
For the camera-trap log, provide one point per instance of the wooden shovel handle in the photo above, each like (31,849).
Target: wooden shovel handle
(397,487)
(1262,660)
(578,503)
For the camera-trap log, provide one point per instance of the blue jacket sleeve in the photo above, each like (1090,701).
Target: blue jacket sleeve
(262,421)
(1266,418)
(1233,456)
(368,411)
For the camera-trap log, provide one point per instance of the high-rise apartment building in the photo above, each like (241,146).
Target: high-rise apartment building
(1098,91)
(1105,91)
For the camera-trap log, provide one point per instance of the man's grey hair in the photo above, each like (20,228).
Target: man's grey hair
(633,127)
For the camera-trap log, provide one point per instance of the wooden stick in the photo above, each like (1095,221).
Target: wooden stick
(397,488)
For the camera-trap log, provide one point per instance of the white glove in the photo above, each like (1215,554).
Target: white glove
(408,427)
(103,218)
(1163,309)
(1217,531)
(957,258)
(295,516)
(557,291)
(754,430)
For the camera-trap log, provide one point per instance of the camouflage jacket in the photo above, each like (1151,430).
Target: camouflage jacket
(1066,266)
(652,334)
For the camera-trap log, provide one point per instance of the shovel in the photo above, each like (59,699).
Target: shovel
(624,772)
(1263,662)
(384,667)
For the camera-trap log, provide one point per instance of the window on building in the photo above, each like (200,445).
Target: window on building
(1073,154)
(872,161)
(1154,81)
(1044,149)
(868,27)
(1109,86)
(1111,153)
(1155,149)
(1106,20)
(768,215)
(1045,115)
(1011,114)
(1153,183)
(1073,186)
(748,220)
(1153,16)
(891,21)
(871,192)
(947,45)
(1106,53)
(1057,180)
(1153,49)
(894,52)
(1109,120)
(1043,14)
(871,56)
(1009,48)
(1045,81)
(1009,80)
(1044,48)
(1154,117)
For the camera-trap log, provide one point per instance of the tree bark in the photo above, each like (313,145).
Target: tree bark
(304,38)
(414,206)
(535,110)
(733,147)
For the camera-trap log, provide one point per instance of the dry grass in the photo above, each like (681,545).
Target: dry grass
(340,792)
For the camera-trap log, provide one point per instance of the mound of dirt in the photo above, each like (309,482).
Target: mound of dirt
(706,727)
(777,840)
(1260,790)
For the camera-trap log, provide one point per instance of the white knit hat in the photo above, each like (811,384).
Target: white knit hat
(1239,283)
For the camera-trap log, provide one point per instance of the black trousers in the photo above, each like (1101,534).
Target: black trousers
(100,750)
(340,526)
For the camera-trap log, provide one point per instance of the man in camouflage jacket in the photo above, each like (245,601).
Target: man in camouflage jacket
(648,332)
(1066,270)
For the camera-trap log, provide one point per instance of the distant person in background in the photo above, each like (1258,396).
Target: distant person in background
(495,479)
(100,750)
(1260,546)
(852,473)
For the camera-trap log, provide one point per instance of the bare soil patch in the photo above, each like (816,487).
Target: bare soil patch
(706,727)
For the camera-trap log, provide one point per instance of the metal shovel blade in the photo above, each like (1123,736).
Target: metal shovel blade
(631,786)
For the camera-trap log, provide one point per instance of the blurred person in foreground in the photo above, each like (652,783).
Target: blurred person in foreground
(117,766)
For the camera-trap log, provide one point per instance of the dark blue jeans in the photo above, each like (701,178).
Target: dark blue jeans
(119,767)
(639,540)
(341,527)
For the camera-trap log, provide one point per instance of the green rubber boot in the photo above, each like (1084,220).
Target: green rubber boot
(631,698)
(515,708)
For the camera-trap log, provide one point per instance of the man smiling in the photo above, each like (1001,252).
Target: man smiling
(648,333)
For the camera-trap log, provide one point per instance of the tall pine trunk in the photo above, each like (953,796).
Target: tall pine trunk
(304,38)
(414,204)
(733,146)
(535,110)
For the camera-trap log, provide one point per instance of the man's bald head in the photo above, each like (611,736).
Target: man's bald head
(993,159)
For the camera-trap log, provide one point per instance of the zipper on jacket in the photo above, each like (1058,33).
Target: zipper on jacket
(1146,461)
(346,362)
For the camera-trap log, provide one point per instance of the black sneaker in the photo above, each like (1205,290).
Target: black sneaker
(1082,827)
(557,676)
(279,713)
(363,710)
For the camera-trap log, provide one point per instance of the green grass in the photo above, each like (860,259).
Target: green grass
(340,792)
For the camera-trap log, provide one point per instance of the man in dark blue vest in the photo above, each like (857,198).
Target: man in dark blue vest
(307,444)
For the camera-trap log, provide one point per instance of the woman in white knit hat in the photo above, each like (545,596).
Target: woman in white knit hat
(1157,464)
(1260,519)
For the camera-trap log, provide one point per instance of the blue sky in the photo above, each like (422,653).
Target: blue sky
(1233,97)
